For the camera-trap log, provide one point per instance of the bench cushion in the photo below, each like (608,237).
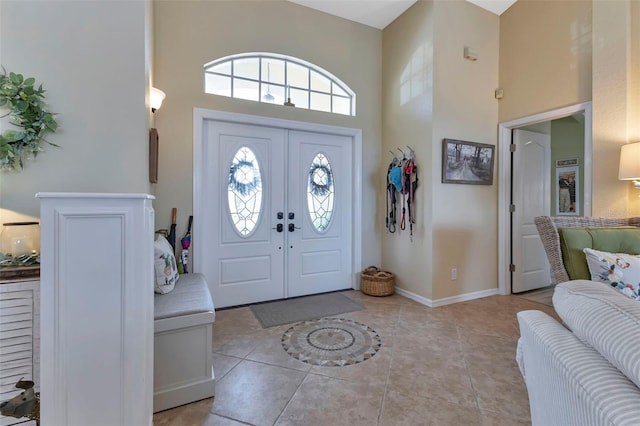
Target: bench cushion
(623,239)
(190,296)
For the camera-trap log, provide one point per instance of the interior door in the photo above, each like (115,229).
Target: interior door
(531,197)
(277,212)
(244,185)
(320,202)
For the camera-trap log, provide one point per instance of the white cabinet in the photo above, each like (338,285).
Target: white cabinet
(19,338)
(97,309)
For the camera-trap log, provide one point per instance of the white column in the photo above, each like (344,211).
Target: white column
(96,309)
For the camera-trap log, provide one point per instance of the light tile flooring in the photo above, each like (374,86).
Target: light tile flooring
(453,365)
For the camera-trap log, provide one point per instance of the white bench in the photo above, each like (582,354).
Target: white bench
(183,323)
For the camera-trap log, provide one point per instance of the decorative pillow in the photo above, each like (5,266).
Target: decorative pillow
(621,271)
(604,319)
(164,261)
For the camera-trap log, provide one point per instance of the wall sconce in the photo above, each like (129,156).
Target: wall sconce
(630,163)
(155,98)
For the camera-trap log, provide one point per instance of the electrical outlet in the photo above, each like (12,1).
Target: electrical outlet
(454,274)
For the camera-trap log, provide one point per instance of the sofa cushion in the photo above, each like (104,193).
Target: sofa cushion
(619,270)
(622,239)
(604,319)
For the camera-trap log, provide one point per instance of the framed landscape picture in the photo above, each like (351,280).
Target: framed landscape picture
(467,162)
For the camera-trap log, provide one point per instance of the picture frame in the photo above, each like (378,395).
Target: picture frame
(567,162)
(467,162)
(153,155)
(568,191)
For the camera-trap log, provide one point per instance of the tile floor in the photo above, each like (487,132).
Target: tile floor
(453,365)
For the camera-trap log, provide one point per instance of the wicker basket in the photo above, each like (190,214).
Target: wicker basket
(375,282)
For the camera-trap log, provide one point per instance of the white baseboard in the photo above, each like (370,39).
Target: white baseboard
(447,300)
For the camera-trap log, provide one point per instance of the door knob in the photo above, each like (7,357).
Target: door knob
(293,227)
(279,227)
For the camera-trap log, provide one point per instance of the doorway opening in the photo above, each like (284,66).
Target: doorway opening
(508,174)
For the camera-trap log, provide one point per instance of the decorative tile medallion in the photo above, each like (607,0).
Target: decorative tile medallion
(331,342)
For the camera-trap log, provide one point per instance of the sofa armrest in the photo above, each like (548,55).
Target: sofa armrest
(570,383)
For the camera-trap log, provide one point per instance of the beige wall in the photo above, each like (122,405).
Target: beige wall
(633,125)
(589,51)
(447,97)
(615,100)
(407,115)
(465,221)
(545,56)
(91,59)
(189,34)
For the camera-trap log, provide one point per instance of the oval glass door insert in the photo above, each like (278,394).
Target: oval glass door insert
(320,192)
(245,191)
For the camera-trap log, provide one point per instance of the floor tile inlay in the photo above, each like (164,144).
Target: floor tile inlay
(331,342)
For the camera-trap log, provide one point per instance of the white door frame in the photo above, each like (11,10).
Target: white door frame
(504,179)
(201,115)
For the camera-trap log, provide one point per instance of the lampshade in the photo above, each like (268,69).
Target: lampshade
(629,162)
(155,98)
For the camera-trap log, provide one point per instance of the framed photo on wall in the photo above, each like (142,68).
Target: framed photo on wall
(567,191)
(467,162)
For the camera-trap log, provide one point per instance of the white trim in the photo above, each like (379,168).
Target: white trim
(200,115)
(504,178)
(447,300)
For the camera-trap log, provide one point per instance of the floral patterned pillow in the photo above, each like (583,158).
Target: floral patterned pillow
(621,271)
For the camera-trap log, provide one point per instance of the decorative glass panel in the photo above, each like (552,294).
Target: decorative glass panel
(272,71)
(297,75)
(320,192)
(245,191)
(299,97)
(341,105)
(244,89)
(320,83)
(320,102)
(273,78)
(337,90)
(247,68)
(223,68)
(217,85)
(272,94)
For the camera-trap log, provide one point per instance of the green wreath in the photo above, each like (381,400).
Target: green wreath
(28,111)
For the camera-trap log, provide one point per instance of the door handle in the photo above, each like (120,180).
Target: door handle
(279,227)
(293,227)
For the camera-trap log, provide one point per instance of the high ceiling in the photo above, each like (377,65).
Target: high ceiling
(380,13)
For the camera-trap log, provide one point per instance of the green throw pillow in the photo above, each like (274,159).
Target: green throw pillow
(622,239)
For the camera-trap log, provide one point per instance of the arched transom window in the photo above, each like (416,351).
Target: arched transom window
(278,79)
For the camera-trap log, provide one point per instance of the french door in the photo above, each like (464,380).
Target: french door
(277,210)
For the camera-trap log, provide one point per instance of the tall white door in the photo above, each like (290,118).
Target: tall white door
(319,196)
(276,207)
(531,197)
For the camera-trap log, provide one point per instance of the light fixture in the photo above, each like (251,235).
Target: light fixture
(268,97)
(156,96)
(289,103)
(630,163)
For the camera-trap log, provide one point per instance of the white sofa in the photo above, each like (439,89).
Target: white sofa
(183,324)
(587,371)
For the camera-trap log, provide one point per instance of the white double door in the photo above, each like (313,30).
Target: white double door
(277,207)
